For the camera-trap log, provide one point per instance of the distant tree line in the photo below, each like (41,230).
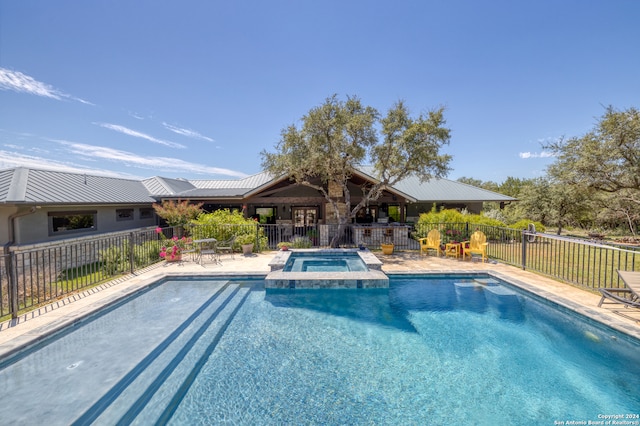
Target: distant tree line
(593,184)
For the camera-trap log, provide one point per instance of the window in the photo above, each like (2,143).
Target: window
(394,213)
(61,222)
(146,213)
(124,214)
(266,214)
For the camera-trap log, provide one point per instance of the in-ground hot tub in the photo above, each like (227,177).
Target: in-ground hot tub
(326,268)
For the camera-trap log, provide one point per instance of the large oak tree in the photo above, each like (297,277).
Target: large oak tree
(606,159)
(337,137)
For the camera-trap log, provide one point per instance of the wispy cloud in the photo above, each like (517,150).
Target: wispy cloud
(136,134)
(12,146)
(136,115)
(14,159)
(165,164)
(187,132)
(25,148)
(22,83)
(542,154)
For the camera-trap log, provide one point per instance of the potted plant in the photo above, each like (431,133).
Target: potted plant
(387,245)
(172,248)
(246,241)
(284,245)
(387,248)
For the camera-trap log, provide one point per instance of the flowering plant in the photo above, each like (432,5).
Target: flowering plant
(172,247)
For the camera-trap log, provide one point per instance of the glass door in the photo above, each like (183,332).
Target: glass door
(305,216)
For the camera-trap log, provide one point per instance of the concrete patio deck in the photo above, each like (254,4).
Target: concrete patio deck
(35,325)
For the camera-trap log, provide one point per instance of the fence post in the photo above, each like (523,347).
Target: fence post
(132,263)
(12,276)
(524,249)
(258,238)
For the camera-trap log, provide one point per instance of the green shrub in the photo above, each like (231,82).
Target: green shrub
(442,216)
(457,226)
(224,224)
(301,242)
(443,220)
(115,259)
(146,253)
(243,239)
(524,224)
(298,241)
(478,219)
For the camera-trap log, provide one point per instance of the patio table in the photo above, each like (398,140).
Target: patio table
(453,249)
(207,247)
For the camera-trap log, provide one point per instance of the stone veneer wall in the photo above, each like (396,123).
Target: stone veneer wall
(373,278)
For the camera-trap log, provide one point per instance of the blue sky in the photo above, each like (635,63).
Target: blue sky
(197,89)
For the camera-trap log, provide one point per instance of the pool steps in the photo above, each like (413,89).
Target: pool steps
(160,383)
(483,293)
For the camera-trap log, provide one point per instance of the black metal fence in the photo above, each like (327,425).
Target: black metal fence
(29,278)
(589,264)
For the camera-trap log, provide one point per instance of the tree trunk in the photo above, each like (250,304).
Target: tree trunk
(340,234)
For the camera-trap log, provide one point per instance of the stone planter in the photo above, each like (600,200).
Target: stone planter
(247,249)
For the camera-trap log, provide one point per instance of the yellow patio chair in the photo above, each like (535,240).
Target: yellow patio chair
(431,242)
(477,244)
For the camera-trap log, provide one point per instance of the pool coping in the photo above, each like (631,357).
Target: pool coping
(372,278)
(280,259)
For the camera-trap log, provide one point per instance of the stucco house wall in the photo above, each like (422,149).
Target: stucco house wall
(36,227)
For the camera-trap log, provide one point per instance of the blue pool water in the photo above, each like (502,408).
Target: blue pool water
(325,262)
(425,351)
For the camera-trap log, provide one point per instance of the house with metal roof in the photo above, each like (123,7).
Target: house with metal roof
(38,206)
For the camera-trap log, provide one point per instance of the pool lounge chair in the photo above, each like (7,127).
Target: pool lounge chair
(630,296)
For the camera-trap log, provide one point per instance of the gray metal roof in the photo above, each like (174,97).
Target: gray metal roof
(24,185)
(441,190)
(445,190)
(250,182)
(5,182)
(165,186)
(215,193)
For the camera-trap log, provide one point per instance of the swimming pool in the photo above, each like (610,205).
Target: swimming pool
(425,350)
